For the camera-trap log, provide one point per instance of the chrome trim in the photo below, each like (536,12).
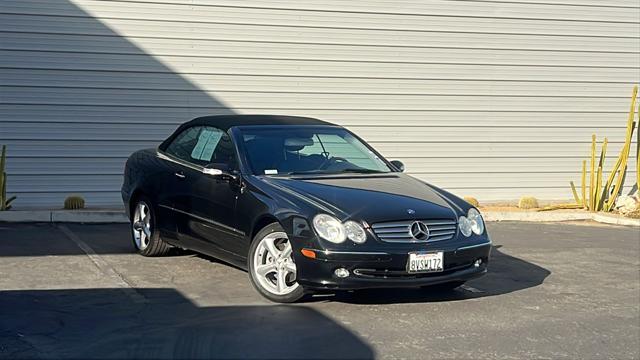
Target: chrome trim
(474,246)
(329,252)
(212,222)
(172,159)
(400,231)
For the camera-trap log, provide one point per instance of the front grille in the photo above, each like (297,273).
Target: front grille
(399,231)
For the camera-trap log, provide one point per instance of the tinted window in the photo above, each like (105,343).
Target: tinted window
(203,145)
(318,150)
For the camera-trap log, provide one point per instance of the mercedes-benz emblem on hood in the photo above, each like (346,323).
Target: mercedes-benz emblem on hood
(419,230)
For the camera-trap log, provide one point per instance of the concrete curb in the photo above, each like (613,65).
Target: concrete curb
(118,216)
(616,220)
(536,216)
(70,216)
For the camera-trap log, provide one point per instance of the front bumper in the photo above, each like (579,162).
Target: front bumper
(387,269)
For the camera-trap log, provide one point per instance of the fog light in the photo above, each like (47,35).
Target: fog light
(477,263)
(341,272)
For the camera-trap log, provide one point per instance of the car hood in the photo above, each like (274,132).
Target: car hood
(373,198)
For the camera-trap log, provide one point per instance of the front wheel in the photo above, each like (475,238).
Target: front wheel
(272,270)
(145,237)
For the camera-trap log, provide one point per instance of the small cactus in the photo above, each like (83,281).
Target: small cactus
(5,203)
(74,202)
(528,202)
(471,200)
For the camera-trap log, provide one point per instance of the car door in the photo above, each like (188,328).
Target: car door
(208,201)
(175,192)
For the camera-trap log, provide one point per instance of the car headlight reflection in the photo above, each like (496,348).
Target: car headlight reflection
(472,223)
(333,230)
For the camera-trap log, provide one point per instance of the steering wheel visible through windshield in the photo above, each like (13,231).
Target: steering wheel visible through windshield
(289,150)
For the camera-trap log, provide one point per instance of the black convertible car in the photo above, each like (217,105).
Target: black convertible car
(302,204)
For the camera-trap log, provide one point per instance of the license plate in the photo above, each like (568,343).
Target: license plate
(426,262)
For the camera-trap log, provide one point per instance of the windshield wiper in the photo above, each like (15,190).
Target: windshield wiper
(310,172)
(360,171)
(324,172)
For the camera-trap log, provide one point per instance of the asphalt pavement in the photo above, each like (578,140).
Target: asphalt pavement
(553,291)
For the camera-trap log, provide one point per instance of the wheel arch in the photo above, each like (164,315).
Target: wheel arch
(135,195)
(261,222)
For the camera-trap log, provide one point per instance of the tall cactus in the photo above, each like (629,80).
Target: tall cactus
(598,194)
(620,168)
(5,203)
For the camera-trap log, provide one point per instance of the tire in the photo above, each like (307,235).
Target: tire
(271,268)
(146,239)
(449,286)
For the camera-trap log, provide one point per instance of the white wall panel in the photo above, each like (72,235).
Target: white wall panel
(494,99)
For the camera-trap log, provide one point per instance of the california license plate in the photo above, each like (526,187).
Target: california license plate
(426,262)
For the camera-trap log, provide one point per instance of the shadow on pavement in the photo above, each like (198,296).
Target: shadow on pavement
(107,323)
(506,274)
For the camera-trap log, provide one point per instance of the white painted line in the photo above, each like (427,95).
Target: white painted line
(105,267)
(471,289)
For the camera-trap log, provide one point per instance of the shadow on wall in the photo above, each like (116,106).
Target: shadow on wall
(106,323)
(78,98)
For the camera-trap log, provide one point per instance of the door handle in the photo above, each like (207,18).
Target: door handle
(180,175)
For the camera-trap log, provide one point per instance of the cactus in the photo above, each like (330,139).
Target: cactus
(561,207)
(602,195)
(74,202)
(584,184)
(5,203)
(471,200)
(575,193)
(528,202)
(638,155)
(621,165)
(592,184)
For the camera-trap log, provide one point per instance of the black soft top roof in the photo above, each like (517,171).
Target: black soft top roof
(225,122)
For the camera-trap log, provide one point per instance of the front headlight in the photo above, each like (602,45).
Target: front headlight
(465,226)
(329,228)
(355,232)
(477,223)
(472,223)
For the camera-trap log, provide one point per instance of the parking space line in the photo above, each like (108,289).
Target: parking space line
(104,267)
(471,289)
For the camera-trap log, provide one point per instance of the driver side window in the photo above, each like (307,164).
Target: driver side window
(203,145)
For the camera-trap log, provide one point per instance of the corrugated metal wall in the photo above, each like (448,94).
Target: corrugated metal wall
(492,98)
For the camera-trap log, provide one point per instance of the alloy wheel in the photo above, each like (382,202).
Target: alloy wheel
(273,265)
(141,225)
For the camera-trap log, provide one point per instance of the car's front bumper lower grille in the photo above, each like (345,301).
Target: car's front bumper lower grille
(400,231)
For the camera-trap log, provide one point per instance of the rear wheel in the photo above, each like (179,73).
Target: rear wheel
(272,270)
(146,239)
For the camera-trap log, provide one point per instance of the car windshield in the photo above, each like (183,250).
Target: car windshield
(308,150)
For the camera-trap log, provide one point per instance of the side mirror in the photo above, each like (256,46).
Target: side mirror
(398,165)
